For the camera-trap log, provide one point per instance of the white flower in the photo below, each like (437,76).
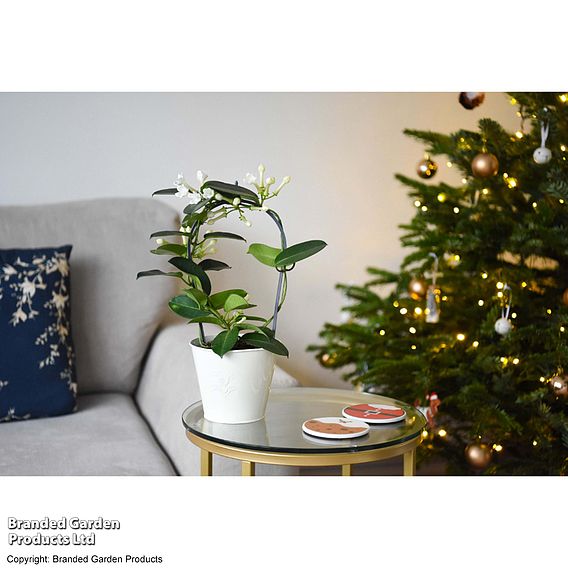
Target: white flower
(9,270)
(249,178)
(208,193)
(160,241)
(236,201)
(59,300)
(180,180)
(182,191)
(194,198)
(286,180)
(28,288)
(18,315)
(201,177)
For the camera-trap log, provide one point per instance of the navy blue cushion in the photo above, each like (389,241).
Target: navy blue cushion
(37,370)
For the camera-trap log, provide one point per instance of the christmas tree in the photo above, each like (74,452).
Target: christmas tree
(478,313)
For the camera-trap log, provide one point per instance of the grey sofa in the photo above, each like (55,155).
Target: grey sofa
(135,374)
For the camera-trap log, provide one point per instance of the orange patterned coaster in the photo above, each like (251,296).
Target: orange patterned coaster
(334,427)
(374,413)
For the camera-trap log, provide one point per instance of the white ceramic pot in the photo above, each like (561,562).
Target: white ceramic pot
(234,388)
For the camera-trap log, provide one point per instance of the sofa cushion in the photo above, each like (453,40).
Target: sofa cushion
(37,370)
(113,315)
(106,437)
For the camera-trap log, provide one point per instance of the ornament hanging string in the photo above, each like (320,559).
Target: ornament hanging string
(543,133)
(434,268)
(506,309)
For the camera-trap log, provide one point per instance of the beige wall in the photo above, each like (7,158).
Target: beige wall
(342,151)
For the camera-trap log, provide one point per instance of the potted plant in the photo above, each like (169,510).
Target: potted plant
(235,366)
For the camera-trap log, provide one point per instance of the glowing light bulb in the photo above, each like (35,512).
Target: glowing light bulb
(424,434)
(460,337)
(480,302)
(403,311)
(562,329)
(449,164)
(500,285)
(519,134)
(484,275)
(485,191)
(396,304)
(475,344)
(542,379)
(535,443)
(413,347)
(497,447)
(442,433)
(563,98)
(412,329)
(513,100)
(444,298)
(562,148)
(561,201)
(549,311)
(456,210)
(499,294)
(514,315)
(524,284)
(534,204)
(418,311)
(516,361)
(424,208)
(442,197)
(464,181)
(417,203)
(382,332)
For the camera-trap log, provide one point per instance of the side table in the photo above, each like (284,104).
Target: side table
(278,439)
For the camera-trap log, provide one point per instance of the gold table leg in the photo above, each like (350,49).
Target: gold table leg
(410,463)
(247,468)
(206,463)
(346,469)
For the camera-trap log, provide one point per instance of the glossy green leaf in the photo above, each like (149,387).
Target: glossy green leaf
(211,264)
(223,235)
(295,253)
(193,207)
(235,302)
(207,319)
(218,300)
(168,191)
(225,341)
(256,318)
(167,234)
(197,295)
(171,249)
(186,307)
(269,343)
(157,272)
(264,253)
(250,327)
(189,267)
(232,190)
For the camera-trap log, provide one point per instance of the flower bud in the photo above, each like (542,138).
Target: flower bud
(249,178)
(160,241)
(236,201)
(270,181)
(218,197)
(286,180)
(201,177)
(248,223)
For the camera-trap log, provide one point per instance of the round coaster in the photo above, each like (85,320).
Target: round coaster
(334,427)
(374,413)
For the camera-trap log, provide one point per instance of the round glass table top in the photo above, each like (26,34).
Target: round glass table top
(289,408)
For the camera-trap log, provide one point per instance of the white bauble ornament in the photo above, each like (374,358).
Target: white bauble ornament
(503,326)
(542,155)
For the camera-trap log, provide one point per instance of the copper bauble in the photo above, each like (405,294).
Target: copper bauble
(471,100)
(417,288)
(565,297)
(478,455)
(559,385)
(484,165)
(426,169)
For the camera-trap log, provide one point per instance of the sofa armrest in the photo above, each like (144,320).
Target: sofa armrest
(168,385)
